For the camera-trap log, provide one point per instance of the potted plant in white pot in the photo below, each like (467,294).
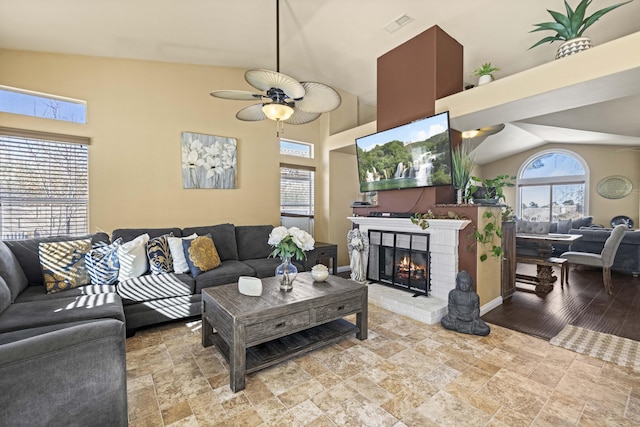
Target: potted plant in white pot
(570,27)
(485,73)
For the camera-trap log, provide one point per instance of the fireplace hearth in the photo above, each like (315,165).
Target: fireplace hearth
(400,260)
(442,267)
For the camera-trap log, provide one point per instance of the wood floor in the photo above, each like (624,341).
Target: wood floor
(583,302)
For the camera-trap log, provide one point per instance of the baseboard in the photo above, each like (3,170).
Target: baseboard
(344,268)
(496,302)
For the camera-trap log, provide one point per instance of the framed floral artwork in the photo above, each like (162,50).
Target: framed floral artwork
(209,161)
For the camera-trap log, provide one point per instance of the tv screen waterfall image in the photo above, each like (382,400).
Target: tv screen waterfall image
(416,154)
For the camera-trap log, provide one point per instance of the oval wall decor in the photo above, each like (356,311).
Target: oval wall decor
(614,187)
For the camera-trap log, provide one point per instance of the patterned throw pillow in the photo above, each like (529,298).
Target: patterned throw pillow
(102,263)
(63,264)
(201,254)
(159,254)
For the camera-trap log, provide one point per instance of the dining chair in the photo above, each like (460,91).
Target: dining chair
(604,259)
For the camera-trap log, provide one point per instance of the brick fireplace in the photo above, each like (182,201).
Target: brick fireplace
(443,240)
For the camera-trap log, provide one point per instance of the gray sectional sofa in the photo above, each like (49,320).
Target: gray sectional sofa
(62,355)
(627,258)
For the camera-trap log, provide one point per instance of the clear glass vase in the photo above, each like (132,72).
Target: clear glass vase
(286,273)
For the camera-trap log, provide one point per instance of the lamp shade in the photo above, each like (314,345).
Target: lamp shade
(276,111)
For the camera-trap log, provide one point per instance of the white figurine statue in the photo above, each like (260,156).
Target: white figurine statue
(358,244)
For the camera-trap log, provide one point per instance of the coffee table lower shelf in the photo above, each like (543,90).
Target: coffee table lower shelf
(289,346)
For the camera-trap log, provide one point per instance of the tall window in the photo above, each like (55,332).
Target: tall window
(297,187)
(552,185)
(296,190)
(44,185)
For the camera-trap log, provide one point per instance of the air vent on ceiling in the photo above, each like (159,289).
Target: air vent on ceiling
(398,23)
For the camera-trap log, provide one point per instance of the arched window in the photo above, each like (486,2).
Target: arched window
(553,185)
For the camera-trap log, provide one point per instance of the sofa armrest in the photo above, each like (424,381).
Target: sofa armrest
(73,376)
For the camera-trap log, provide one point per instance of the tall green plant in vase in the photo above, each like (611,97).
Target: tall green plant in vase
(462,162)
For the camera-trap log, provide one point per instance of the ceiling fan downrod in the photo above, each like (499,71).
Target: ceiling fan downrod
(278,36)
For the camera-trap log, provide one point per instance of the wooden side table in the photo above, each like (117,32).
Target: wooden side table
(321,251)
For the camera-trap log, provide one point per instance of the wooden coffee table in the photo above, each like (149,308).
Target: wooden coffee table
(256,332)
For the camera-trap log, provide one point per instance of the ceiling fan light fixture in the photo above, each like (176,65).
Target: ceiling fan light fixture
(276,111)
(286,99)
(470,133)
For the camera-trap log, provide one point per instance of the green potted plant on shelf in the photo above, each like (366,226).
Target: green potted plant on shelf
(570,27)
(462,163)
(489,191)
(492,228)
(485,73)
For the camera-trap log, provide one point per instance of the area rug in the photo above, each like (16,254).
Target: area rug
(618,350)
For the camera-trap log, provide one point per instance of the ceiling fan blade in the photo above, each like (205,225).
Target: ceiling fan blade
(319,98)
(300,117)
(238,95)
(252,113)
(266,79)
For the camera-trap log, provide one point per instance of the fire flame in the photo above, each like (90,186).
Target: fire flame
(407,263)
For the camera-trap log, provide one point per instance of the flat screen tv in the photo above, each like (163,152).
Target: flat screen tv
(416,154)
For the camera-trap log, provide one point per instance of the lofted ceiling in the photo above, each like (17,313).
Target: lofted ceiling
(336,42)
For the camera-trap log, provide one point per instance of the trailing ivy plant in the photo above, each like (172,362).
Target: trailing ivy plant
(494,219)
(486,234)
(422,219)
(493,226)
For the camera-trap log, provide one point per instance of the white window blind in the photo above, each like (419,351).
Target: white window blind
(296,190)
(44,186)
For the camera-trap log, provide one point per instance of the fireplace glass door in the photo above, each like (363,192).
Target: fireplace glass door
(400,260)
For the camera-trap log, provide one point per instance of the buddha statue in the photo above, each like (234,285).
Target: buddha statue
(464,308)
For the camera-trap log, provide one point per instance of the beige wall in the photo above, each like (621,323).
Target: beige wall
(603,161)
(343,172)
(136,113)
(343,184)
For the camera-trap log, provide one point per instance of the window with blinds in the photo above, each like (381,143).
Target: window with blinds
(44,186)
(296,190)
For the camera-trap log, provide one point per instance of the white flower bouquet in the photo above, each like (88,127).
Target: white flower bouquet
(291,242)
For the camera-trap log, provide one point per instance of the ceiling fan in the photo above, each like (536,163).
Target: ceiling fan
(283,99)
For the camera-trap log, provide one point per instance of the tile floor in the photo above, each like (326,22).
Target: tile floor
(406,374)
